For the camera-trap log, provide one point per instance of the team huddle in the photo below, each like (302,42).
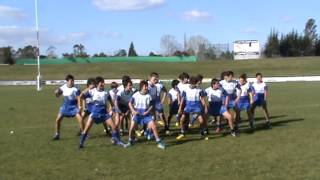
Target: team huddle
(123,109)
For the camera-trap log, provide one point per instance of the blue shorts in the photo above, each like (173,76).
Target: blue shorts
(259,102)
(243,105)
(231,104)
(69,111)
(100,118)
(142,120)
(223,110)
(158,107)
(193,109)
(88,110)
(215,108)
(174,108)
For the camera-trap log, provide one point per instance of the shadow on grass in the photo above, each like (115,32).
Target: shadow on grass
(193,134)
(263,127)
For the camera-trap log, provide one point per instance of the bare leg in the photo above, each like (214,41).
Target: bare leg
(153,127)
(229,118)
(58,123)
(266,112)
(133,126)
(80,121)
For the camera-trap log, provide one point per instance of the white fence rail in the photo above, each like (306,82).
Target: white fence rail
(205,80)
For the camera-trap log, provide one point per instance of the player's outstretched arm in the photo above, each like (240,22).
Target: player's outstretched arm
(58,92)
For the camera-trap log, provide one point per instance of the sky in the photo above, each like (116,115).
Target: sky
(109,25)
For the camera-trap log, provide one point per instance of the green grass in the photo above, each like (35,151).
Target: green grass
(269,67)
(288,151)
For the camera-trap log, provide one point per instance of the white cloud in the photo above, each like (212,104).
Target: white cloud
(126,5)
(7,12)
(16,37)
(250,30)
(197,15)
(286,19)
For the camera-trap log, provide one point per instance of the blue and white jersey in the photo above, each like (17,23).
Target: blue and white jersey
(152,91)
(69,94)
(99,99)
(259,88)
(120,88)
(191,96)
(89,102)
(160,88)
(214,95)
(245,90)
(155,91)
(173,94)
(113,94)
(222,82)
(141,102)
(230,88)
(182,87)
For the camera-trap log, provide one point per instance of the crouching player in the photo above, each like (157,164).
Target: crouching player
(216,107)
(71,104)
(260,91)
(121,105)
(141,109)
(100,112)
(87,102)
(194,101)
(173,101)
(245,100)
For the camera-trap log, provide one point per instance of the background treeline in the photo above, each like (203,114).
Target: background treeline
(294,44)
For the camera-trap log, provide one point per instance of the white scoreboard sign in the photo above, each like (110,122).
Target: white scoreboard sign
(246,49)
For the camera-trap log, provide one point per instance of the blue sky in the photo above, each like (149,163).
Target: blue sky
(108,25)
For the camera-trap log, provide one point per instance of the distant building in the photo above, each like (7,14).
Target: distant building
(246,49)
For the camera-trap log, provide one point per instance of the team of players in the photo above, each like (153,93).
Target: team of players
(137,111)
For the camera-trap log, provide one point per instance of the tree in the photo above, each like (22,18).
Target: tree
(51,52)
(132,51)
(191,52)
(310,37)
(6,55)
(206,52)
(272,46)
(226,55)
(154,54)
(195,42)
(317,48)
(67,55)
(102,54)
(27,52)
(79,51)
(169,45)
(290,45)
(121,53)
(310,30)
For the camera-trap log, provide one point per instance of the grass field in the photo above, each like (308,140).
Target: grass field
(288,151)
(269,67)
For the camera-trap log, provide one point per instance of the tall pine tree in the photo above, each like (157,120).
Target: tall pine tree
(132,51)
